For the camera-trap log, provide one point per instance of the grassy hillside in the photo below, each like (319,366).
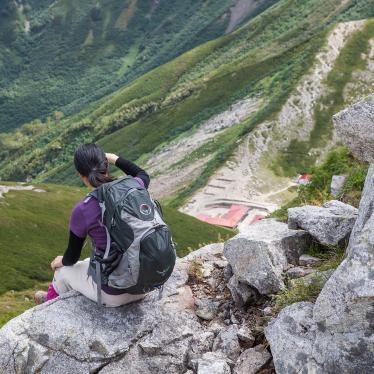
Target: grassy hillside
(265,58)
(59,55)
(34,231)
(349,61)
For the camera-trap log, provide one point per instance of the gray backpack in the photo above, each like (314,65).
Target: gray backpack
(140,254)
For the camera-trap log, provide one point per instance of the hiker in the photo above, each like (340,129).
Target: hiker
(108,276)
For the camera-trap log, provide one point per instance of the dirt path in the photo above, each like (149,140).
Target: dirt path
(166,178)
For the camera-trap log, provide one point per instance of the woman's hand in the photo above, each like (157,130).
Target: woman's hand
(57,263)
(111,157)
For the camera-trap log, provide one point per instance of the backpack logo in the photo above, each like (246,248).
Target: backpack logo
(145,209)
(162,273)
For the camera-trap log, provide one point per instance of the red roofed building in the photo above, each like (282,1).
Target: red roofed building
(231,219)
(304,179)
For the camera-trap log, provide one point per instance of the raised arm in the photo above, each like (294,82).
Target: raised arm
(129,168)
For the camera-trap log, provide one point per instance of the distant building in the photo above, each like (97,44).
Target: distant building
(230,219)
(304,179)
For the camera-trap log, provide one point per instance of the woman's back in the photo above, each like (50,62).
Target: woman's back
(86,220)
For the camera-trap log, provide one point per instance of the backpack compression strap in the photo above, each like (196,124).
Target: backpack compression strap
(107,249)
(102,207)
(98,282)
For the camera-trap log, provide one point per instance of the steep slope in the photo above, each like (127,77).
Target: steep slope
(58,55)
(301,133)
(34,230)
(185,119)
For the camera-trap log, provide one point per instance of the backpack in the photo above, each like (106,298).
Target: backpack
(140,254)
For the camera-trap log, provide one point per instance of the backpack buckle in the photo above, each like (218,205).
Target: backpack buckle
(160,291)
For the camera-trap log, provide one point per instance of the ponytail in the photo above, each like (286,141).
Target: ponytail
(96,178)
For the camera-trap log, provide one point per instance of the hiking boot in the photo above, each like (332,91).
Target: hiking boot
(40,297)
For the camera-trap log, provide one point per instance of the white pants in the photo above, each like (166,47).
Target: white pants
(75,277)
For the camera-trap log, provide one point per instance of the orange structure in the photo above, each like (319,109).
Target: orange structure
(230,219)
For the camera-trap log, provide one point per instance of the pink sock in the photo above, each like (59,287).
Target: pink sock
(51,294)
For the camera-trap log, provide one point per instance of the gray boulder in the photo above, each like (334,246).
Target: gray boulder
(365,212)
(245,335)
(329,224)
(227,342)
(355,127)
(72,335)
(259,256)
(212,362)
(344,310)
(241,293)
(252,360)
(307,260)
(337,184)
(291,336)
(335,335)
(298,272)
(206,309)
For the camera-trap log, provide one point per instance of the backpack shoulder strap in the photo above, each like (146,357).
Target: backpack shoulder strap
(92,194)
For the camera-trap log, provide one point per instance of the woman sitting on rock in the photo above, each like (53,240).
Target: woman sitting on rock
(91,164)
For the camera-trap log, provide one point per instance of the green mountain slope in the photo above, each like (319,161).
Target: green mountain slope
(58,55)
(34,231)
(263,61)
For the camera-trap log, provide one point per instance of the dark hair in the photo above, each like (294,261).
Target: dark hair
(90,161)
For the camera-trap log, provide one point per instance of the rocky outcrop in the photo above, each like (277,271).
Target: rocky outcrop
(194,328)
(329,224)
(259,257)
(336,334)
(355,127)
(71,334)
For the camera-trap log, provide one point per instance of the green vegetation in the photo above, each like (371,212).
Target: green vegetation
(298,156)
(338,162)
(300,289)
(13,303)
(264,58)
(35,230)
(61,55)
(195,272)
